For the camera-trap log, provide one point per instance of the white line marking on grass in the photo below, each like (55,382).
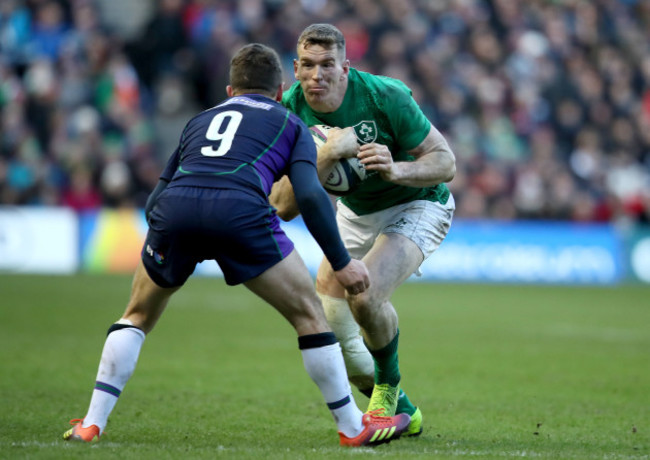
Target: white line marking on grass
(524,454)
(61,443)
(34,444)
(478,453)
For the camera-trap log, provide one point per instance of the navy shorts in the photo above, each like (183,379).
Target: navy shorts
(188,225)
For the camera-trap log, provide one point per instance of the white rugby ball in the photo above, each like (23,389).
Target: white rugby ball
(347,174)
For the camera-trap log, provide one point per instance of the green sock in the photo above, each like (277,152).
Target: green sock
(386,363)
(404,405)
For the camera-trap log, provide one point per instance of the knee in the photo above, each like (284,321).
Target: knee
(363,307)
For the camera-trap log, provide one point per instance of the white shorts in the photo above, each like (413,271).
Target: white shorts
(426,223)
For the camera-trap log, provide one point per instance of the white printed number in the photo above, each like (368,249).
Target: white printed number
(231,118)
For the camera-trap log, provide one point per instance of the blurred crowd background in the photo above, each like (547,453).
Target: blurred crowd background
(546,104)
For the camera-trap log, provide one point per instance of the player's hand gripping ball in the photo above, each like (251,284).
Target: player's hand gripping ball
(348,172)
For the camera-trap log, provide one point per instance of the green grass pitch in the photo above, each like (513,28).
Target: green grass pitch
(499,372)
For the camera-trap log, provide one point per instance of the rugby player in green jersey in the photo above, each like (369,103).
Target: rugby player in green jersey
(397,217)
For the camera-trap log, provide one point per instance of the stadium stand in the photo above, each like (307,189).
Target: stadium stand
(545,103)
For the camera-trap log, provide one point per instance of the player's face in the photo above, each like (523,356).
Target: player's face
(323,76)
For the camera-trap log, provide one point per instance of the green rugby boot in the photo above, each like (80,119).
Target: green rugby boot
(415,427)
(384,397)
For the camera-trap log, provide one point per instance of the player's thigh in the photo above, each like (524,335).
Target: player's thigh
(408,234)
(390,261)
(326,282)
(426,223)
(288,287)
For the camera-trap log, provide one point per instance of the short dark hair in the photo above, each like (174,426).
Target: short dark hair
(255,68)
(325,35)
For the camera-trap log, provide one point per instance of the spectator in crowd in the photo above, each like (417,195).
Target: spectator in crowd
(546,104)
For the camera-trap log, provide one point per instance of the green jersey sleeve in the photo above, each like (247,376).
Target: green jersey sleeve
(406,119)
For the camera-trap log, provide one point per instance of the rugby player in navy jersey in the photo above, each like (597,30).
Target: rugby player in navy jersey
(212,204)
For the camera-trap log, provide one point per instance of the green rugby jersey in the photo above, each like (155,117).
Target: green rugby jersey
(381,110)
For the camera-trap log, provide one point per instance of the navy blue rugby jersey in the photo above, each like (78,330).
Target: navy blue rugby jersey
(246,143)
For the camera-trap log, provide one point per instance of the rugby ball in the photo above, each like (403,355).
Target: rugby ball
(348,172)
